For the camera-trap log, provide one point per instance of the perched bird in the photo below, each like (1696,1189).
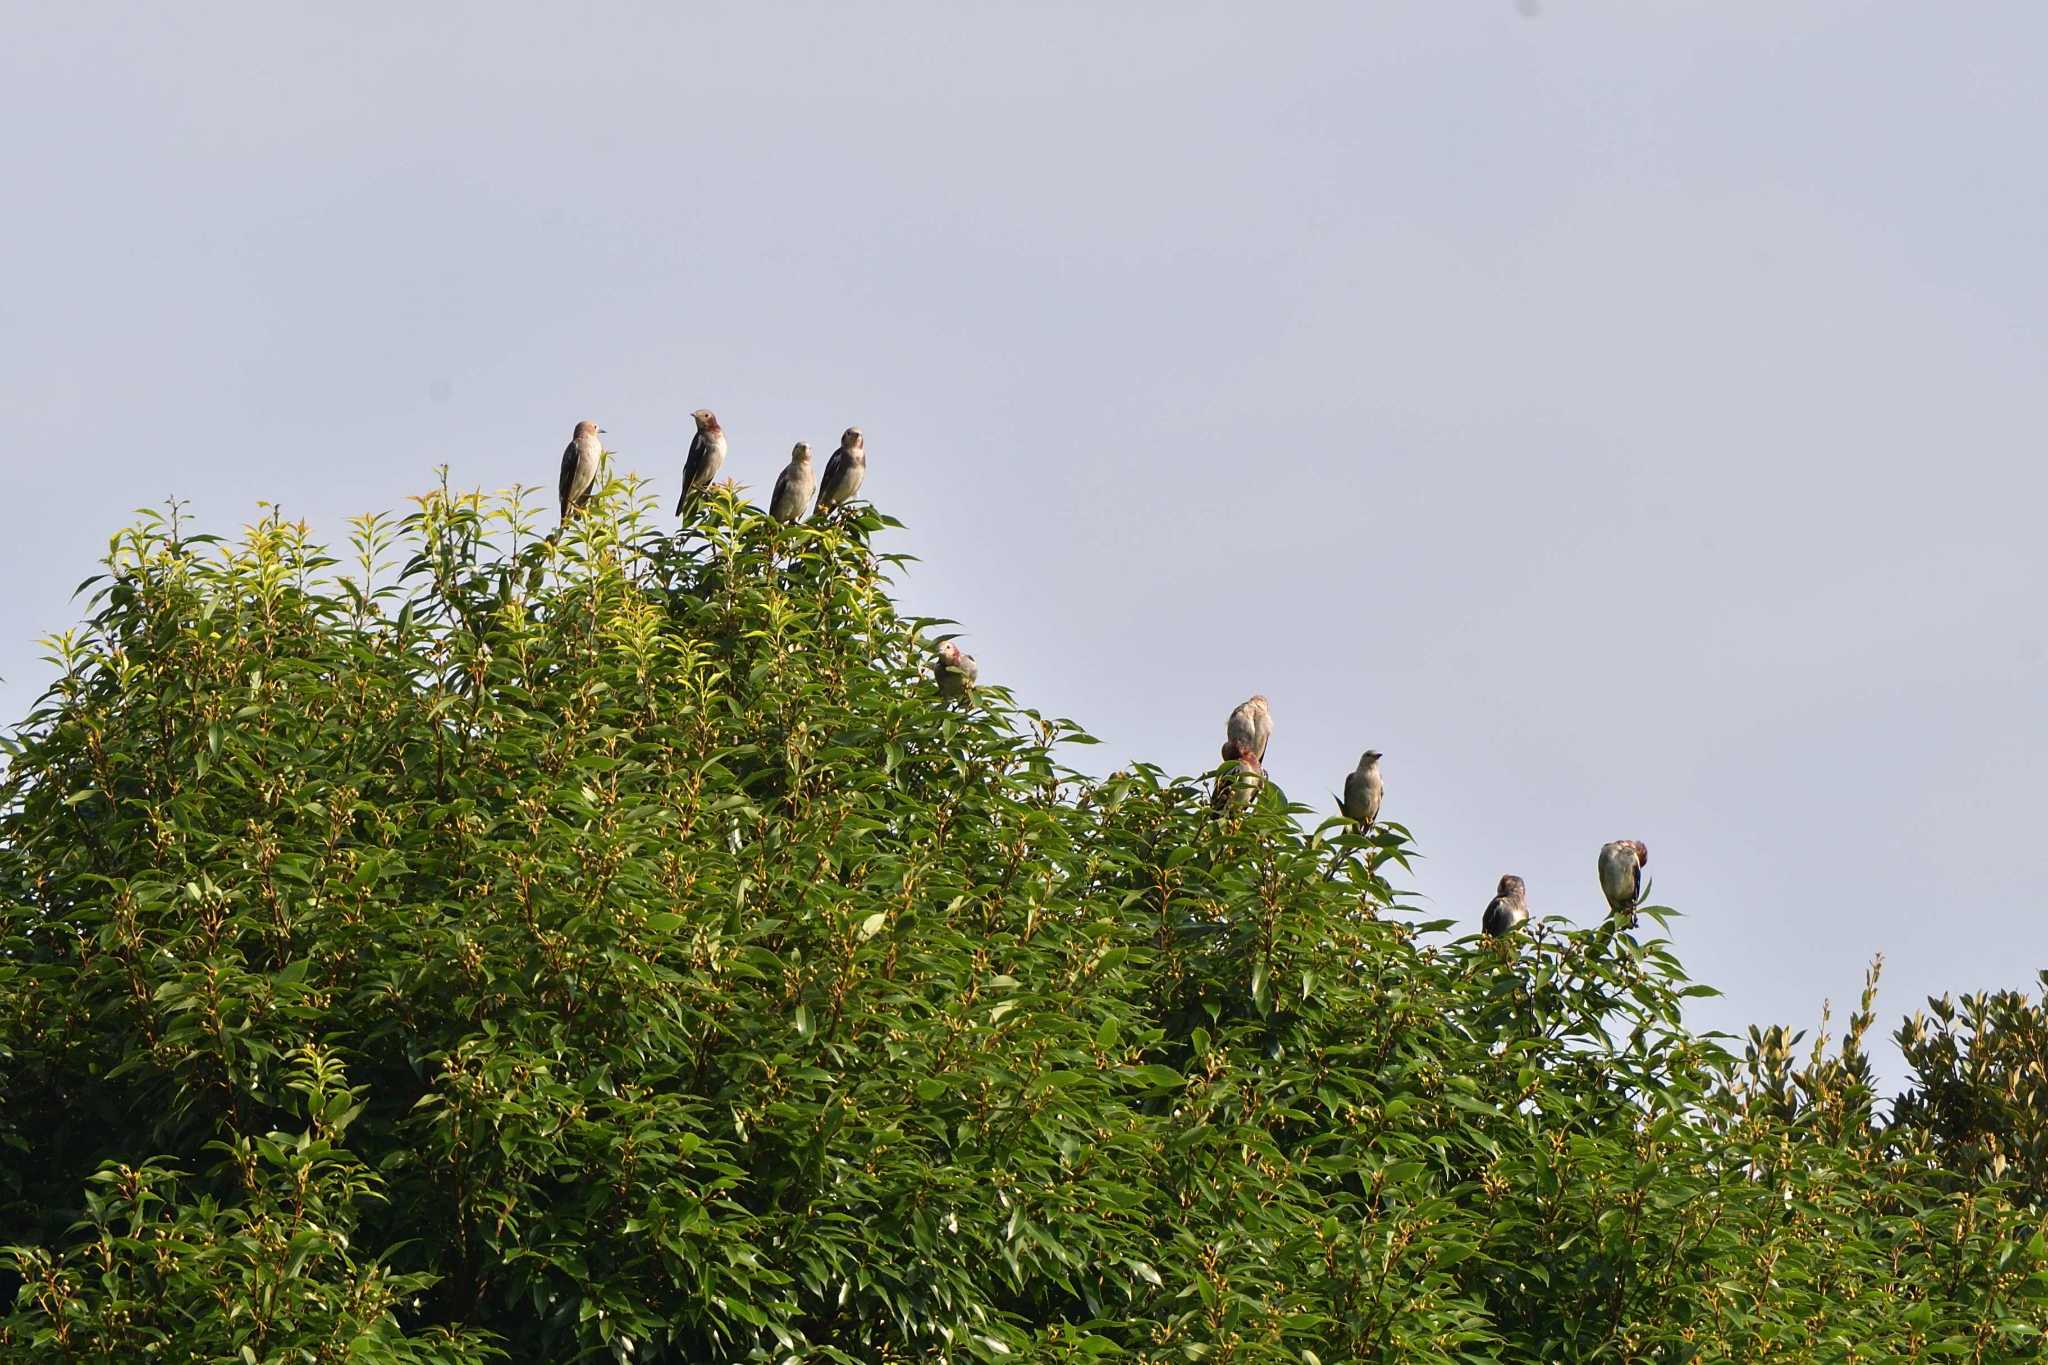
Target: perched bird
(1621,873)
(1240,785)
(707,455)
(1251,727)
(956,671)
(1508,909)
(579,465)
(1363,790)
(793,489)
(844,471)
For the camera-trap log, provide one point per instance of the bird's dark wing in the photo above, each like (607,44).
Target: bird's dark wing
(835,473)
(1500,916)
(697,466)
(568,480)
(781,487)
(693,469)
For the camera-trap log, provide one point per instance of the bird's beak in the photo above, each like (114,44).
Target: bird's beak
(602,432)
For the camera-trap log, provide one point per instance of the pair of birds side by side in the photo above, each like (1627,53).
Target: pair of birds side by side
(796,485)
(1621,882)
(1245,737)
(794,489)
(1247,734)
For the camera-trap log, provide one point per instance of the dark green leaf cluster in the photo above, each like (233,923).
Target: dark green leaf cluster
(611,946)
(1981,1108)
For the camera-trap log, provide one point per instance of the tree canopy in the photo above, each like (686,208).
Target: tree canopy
(478,945)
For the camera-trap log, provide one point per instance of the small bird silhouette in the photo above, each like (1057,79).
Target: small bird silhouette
(793,489)
(1238,786)
(1621,873)
(844,471)
(1363,790)
(579,466)
(707,456)
(1251,727)
(1509,908)
(956,671)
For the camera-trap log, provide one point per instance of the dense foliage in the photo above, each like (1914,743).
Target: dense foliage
(612,947)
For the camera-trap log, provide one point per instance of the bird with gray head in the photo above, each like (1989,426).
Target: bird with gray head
(1509,908)
(1239,782)
(793,489)
(956,671)
(1251,727)
(843,472)
(580,460)
(707,456)
(1621,874)
(1363,790)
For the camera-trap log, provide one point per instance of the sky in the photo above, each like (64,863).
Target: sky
(1627,416)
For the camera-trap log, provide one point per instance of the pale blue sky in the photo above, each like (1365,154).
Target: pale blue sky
(1629,418)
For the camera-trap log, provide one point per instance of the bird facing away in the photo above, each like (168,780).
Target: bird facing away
(1363,790)
(1621,873)
(844,471)
(579,466)
(1251,727)
(1238,785)
(956,672)
(793,489)
(707,455)
(1508,909)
